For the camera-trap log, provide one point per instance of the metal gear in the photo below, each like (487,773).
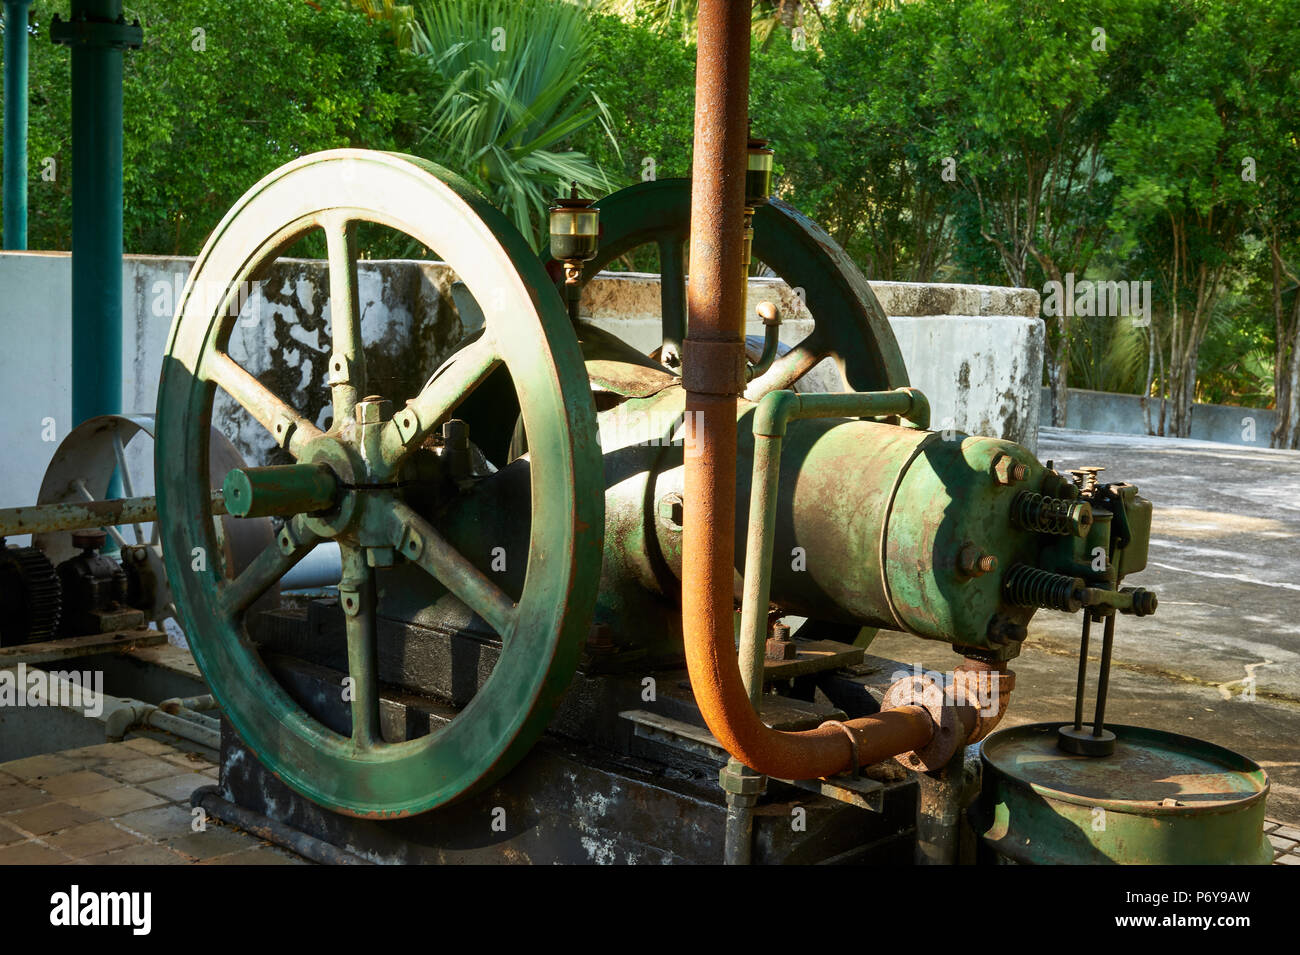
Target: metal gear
(30,596)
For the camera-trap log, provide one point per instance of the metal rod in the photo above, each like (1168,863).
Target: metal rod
(1083,670)
(1103,677)
(280,489)
(672,295)
(15,135)
(74,515)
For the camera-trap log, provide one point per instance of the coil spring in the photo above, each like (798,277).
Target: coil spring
(1027,586)
(1032,511)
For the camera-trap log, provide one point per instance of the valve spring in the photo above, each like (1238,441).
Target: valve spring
(1027,586)
(1032,511)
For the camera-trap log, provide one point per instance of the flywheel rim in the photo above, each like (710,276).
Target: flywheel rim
(526,322)
(849,325)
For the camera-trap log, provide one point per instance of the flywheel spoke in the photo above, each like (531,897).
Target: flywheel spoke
(289,429)
(357,595)
(292,544)
(787,369)
(453,383)
(672,295)
(347,367)
(420,543)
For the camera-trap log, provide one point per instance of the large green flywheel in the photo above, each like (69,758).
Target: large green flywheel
(344,485)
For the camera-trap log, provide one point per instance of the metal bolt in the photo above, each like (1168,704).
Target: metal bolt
(1086,478)
(1007,470)
(972,562)
(779,645)
(600,639)
(374,409)
(671,510)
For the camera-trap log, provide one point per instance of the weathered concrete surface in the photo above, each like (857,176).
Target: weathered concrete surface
(981,374)
(1226,565)
(1122,414)
(975,351)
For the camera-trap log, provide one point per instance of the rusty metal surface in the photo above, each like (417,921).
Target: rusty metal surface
(812,656)
(73,515)
(71,647)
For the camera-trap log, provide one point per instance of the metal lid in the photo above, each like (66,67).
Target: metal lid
(1151,772)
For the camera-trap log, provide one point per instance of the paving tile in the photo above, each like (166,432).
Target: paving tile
(1288,832)
(10,835)
(192,761)
(1287,860)
(39,767)
(30,853)
(20,796)
(91,839)
(77,783)
(1280,844)
(50,817)
(1270,825)
(162,822)
(105,750)
(138,855)
(151,747)
(213,841)
(261,855)
(116,802)
(177,788)
(139,770)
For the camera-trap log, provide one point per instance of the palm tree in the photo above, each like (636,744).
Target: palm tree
(511,75)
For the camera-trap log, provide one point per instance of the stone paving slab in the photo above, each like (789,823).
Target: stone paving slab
(123,803)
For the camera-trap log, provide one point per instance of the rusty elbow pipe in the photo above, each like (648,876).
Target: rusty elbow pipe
(714,377)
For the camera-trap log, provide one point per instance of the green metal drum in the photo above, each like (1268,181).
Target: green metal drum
(1160,799)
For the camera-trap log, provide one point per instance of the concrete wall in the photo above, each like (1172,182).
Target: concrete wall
(1122,414)
(975,351)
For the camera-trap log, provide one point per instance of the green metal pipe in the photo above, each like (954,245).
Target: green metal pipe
(771,346)
(771,416)
(779,408)
(758,563)
(15,137)
(97,35)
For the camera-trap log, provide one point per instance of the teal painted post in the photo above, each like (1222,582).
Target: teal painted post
(15,138)
(98,36)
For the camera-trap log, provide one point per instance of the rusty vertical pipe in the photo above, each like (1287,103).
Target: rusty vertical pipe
(713,359)
(713,374)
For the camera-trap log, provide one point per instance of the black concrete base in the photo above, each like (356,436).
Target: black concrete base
(571,802)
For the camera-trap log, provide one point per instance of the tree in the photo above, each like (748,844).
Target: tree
(1023,102)
(1272,103)
(222,92)
(887,202)
(1178,157)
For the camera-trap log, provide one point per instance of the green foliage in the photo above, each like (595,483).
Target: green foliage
(508,85)
(206,115)
(647,82)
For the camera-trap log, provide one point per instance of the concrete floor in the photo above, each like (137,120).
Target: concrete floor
(1225,562)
